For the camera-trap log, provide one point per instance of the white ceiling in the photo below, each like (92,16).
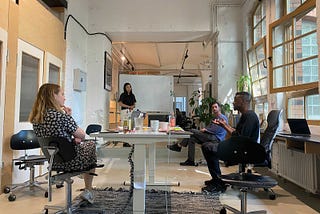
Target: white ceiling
(153,51)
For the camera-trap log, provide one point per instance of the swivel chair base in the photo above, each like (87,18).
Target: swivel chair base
(243,205)
(69,207)
(246,182)
(31,184)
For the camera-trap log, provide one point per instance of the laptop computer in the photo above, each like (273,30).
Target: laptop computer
(299,127)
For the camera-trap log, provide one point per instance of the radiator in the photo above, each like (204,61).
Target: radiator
(297,167)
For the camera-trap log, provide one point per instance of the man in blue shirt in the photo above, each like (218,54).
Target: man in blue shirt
(212,133)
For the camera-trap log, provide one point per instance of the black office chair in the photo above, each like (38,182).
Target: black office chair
(26,140)
(242,150)
(269,134)
(57,150)
(92,128)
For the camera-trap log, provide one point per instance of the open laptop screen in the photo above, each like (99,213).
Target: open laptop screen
(298,126)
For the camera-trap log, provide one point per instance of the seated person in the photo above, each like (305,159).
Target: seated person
(178,117)
(212,133)
(248,126)
(50,118)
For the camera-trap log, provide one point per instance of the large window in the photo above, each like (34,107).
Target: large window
(257,61)
(294,50)
(304,104)
(293,4)
(29,78)
(29,85)
(53,69)
(258,69)
(294,60)
(259,22)
(181,103)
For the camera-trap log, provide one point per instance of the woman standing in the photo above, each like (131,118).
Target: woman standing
(50,118)
(127,101)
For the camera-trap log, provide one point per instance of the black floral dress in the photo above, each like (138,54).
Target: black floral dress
(58,124)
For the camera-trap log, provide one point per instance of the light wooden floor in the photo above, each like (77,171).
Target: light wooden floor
(290,198)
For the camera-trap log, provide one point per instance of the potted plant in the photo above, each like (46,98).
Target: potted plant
(203,111)
(244,83)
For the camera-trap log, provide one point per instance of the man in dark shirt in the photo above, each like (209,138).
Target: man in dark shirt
(248,126)
(211,133)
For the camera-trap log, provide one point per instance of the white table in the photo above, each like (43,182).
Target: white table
(141,140)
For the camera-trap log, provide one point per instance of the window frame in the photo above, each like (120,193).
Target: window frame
(304,94)
(51,59)
(259,22)
(24,47)
(306,6)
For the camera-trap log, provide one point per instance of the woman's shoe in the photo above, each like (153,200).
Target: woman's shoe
(87,195)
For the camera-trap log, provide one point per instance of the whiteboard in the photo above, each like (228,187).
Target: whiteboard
(153,93)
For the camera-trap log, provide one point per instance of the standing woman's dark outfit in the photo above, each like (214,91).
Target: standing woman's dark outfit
(128,99)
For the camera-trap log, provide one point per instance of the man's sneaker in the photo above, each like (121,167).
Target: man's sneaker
(174,147)
(87,195)
(214,188)
(188,163)
(208,182)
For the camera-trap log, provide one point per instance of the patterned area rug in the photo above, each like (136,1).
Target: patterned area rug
(157,202)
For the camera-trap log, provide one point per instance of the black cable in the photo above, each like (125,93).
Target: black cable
(97,33)
(121,211)
(182,66)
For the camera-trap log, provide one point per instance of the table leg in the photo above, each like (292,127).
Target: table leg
(152,163)
(139,179)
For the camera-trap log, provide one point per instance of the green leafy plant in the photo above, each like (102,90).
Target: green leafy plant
(203,111)
(244,83)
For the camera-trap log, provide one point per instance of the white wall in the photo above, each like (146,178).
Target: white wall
(86,53)
(228,51)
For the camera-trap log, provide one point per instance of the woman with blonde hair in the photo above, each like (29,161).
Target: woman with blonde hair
(50,118)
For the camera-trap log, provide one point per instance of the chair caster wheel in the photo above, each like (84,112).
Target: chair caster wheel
(45,211)
(12,197)
(178,184)
(46,194)
(6,190)
(272,196)
(223,211)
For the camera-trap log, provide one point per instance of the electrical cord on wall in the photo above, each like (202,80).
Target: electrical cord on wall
(97,33)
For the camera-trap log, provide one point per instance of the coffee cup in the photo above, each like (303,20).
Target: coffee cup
(163,126)
(154,124)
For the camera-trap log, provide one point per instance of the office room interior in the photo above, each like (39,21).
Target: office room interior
(91,47)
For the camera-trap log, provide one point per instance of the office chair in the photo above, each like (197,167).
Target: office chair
(26,140)
(57,150)
(92,128)
(242,150)
(269,134)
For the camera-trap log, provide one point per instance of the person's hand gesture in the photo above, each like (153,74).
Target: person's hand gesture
(219,122)
(67,110)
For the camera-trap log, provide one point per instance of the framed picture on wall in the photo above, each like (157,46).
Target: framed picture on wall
(107,71)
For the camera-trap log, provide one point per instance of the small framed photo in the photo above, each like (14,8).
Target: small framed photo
(107,71)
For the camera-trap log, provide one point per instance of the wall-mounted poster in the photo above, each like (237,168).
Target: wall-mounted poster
(107,71)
